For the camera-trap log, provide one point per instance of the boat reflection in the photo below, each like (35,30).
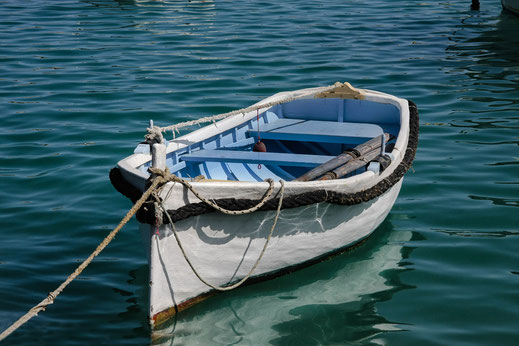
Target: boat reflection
(332,302)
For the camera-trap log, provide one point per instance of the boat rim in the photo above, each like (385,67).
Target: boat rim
(128,165)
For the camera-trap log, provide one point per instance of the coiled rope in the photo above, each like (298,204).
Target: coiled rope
(159,179)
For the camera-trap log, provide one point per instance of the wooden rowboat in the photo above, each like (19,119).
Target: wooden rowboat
(333,167)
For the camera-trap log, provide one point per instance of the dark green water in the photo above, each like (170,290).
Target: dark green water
(79,81)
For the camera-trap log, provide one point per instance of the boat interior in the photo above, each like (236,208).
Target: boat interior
(299,136)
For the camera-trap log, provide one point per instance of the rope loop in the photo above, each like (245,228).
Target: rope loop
(161,177)
(239,283)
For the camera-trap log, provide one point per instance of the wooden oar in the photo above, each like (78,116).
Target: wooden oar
(359,151)
(351,166)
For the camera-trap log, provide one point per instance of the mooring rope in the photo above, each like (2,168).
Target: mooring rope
(52,295)
(239,283)
(175,127)
(161,177)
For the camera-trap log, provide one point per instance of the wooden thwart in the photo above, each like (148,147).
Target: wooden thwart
(280,159)
(318,131)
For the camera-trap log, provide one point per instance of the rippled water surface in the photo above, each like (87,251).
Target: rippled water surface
(80,79)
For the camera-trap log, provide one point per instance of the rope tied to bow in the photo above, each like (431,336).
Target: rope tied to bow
(154,135)
(158,179)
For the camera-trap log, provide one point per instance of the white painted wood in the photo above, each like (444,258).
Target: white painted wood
(158,156)
(129,165)
(352,281)
(224,248)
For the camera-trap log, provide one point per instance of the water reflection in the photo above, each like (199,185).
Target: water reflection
(497,201)
(485,49)
(484,52)
(479,234)
(482,65)
(122,3)
(332,302)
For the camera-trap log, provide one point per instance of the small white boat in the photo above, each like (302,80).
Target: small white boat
(334,163)
(511,5)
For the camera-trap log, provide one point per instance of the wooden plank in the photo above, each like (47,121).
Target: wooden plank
(280,159)
(318,131)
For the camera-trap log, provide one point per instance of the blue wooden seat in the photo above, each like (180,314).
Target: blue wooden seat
(318,131)
(278,159)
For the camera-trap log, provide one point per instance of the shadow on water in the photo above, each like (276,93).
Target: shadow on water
(331,302)
(136,301)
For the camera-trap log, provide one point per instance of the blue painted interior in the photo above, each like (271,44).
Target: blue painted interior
(291,152)
(236,156)
(319,131)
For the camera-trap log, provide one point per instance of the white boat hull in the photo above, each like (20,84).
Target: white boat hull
(350,281)
(318,217)
(224,248)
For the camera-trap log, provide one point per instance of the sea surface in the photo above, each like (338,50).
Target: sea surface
(80,79)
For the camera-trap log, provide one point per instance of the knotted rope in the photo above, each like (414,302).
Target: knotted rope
(154,135)
(158,180)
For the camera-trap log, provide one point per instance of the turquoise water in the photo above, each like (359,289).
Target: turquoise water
(79,81)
